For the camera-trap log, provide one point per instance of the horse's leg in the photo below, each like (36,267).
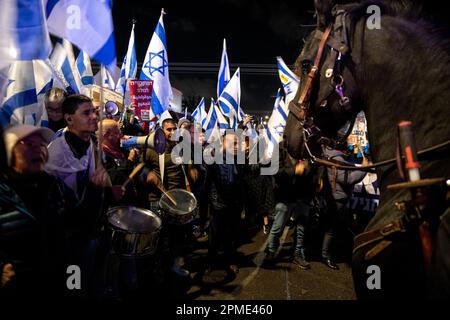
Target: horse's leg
(439,275)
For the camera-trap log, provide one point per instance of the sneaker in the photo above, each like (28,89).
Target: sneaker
(266,229)
(180,271)
(177,269)
(302,263)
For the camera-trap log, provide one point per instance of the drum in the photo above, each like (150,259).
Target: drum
(180,213)
(134,231)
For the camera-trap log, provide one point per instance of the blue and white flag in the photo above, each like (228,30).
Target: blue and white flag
(43,78)
(87,24)
(156,68)
(199,113)
(129,65)
(229,100)
(289,80)
(224,71)
(211,117)
(107,78)
(277,121)
(274,130)
(222,122)
(20,104)
(24,34)
(69,77)
(84,68)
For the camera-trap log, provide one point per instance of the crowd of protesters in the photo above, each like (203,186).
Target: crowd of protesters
(58,183)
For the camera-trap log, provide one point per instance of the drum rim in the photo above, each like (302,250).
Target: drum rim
(154,215)
(185,191)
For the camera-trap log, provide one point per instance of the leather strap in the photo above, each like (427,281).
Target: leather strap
(312,74)
(368,237)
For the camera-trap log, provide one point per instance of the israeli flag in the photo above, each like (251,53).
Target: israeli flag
(199,113)
(277,121)
(289,80)
(43,78)
(87,24)
(156,68)
(69,76)
(24,34)
(84,68)
(274,130)
(20,104)
(229,100)
(224,71)
(129,65)
(211,117)
(108,80)
(222,122)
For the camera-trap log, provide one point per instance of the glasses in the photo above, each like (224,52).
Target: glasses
(31,144)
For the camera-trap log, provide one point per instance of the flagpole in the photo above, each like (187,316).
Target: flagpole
(124,107)
(100,124)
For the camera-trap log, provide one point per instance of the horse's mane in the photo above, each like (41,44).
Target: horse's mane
(421,25)
(438,45)
(405,9)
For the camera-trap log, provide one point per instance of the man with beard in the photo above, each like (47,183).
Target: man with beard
(164,174)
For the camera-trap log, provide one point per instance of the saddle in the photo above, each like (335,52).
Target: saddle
(419,213)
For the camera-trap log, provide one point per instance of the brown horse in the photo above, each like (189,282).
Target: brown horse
(395,68)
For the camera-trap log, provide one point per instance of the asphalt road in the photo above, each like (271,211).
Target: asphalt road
(257,280)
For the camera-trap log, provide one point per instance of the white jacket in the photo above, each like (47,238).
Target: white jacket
(63,164)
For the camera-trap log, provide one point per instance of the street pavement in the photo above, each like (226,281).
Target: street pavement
(258,281)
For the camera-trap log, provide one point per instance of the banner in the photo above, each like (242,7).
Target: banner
(141,97)
(357,140)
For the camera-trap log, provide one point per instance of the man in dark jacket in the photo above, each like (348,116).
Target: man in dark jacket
(293,194)
(225,185)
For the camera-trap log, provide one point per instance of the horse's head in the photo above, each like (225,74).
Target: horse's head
(327,98)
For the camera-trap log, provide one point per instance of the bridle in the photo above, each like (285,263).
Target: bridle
(340,47)
(301,108)
(304,102)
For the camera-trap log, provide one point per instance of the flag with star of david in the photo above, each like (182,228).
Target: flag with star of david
(289,80)
(156,68)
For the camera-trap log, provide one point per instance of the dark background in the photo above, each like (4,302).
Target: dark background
(256,32)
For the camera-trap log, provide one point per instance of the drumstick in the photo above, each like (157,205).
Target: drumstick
(167,195)
(132,174)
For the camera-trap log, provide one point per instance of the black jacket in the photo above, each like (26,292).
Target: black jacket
(35,239)
(226,186)
(290,187)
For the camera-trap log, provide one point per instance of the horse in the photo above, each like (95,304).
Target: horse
(395,71)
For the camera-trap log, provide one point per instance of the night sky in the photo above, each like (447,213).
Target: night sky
(256,32)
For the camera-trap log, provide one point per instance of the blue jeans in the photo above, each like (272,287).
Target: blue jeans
(283,211)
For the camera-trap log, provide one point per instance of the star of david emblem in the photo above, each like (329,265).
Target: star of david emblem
(157,67)
(279,129)
(286,88)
